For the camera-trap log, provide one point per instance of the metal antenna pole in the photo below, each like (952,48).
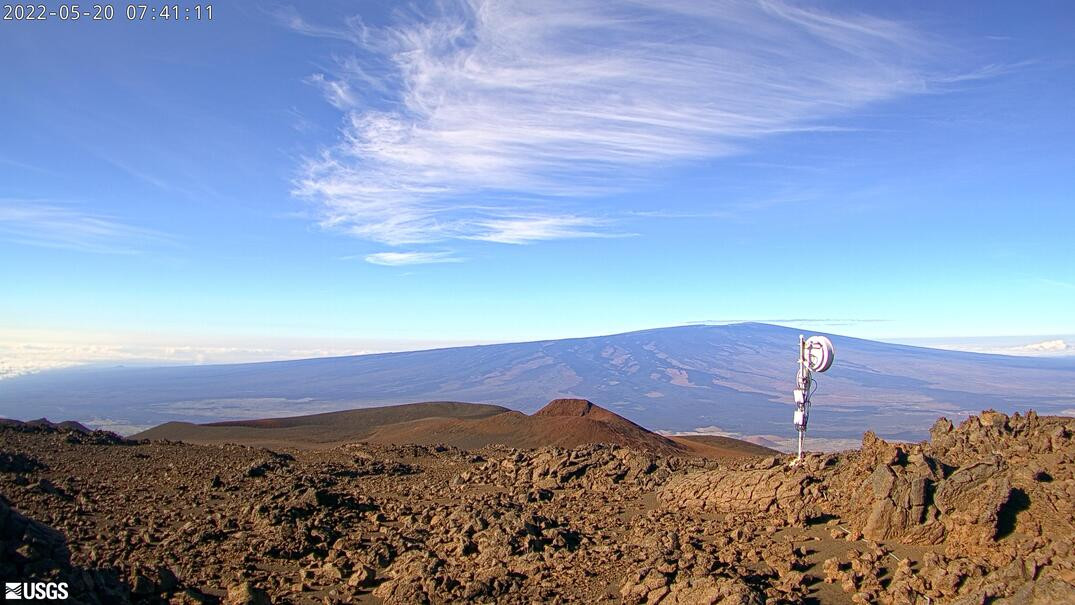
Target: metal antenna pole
(815,354)
(803,400)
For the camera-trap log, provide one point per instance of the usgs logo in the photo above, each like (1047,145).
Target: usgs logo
(16,591)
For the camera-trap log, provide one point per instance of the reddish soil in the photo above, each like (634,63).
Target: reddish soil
(561,423)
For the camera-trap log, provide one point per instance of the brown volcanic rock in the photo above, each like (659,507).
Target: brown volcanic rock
(971,486)
(767,487)
(30,550)
(991,502)
(982,513)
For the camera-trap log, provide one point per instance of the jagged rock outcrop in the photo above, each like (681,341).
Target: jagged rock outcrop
(987,494)
(894,501)
(968,486)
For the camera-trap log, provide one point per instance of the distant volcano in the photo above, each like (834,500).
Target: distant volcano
(562,423)
(729,379)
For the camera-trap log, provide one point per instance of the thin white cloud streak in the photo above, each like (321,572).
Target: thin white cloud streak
(38,223)
(559,99)
(294,21)
(524,229)
(337,92)
(395,259)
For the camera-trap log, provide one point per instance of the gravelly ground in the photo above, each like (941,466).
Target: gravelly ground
(982,513)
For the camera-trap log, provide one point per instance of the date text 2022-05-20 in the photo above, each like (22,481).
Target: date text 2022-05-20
(106,12)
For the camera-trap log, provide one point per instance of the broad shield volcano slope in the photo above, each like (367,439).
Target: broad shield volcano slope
(734,378)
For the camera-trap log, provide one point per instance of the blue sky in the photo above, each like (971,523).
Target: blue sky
(292,180)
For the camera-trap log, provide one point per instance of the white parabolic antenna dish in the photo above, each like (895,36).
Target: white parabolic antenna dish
(819,353)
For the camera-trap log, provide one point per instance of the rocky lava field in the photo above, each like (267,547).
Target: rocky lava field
(981,513)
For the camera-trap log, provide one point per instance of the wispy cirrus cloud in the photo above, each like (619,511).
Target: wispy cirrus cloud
(47,224)
(395,259)
(488,120)
(524,229)
(337,92)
